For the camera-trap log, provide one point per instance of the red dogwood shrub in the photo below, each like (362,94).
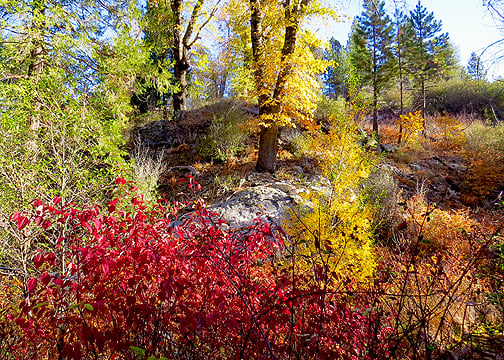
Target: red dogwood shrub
(146,284)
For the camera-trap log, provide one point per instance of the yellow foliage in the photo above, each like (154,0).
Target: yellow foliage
(411,126)
(336,231)
(298,98)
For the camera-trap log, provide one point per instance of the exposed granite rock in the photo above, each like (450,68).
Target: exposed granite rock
(263,202)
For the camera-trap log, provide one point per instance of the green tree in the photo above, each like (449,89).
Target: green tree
(336,77)
(403,35)
(431,54)
(371,50)
(65,93)
(475,68)
(172,30)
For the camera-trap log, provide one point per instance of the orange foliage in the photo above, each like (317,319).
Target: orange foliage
(485,171)
(430,274)
(448,133)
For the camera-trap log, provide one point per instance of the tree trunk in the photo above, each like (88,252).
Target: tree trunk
(180,96)
(179,56)
(423,105)
(267,149)
(271,105)
(401,88)
(375,106)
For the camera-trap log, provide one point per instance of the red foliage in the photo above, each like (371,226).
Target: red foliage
(123,283)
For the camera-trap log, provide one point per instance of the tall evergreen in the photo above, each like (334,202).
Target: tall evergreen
(336,77)
(475,68)
(371,50)
(431,53)
(403,35)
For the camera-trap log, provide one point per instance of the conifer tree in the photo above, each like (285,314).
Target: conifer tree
(403,36)
(475,67)
(371,50)
(335,79)
(431,53)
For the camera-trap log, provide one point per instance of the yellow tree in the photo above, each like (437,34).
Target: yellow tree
(284,67)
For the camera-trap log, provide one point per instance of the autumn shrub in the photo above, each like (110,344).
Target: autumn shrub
(430,277)
(448,132)
(410,127)
(140,284)
(11,294)
(335,229)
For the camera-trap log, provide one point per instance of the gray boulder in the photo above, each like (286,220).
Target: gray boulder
(242,208)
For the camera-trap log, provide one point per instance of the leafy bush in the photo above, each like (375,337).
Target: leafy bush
(66,147)
(448,132)
(410,127)
(227,135)
(125,283)
(484,151)
(481,136)
(336,229)
(484,100)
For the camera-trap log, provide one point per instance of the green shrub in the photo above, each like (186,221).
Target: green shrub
(484,100)
(227,134)
(380,190)
(481,136)
(53,143)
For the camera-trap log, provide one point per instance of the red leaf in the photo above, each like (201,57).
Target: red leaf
(56,200)
(112,205)
(46,224)
(97,224)
(105,268)
(45,278)
(120,181)
(38,261)
(50,258)
(22,222)
(31,285)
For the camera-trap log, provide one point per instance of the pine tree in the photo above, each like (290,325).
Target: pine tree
(431,54)
(403,36)
(371,50)
(475,67)
(336,77)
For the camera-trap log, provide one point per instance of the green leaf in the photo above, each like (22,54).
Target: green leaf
(138,351)
(39,305)
(89,307)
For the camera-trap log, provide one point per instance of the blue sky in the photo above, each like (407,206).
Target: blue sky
(468,22)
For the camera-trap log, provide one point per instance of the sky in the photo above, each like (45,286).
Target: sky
(469,24)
